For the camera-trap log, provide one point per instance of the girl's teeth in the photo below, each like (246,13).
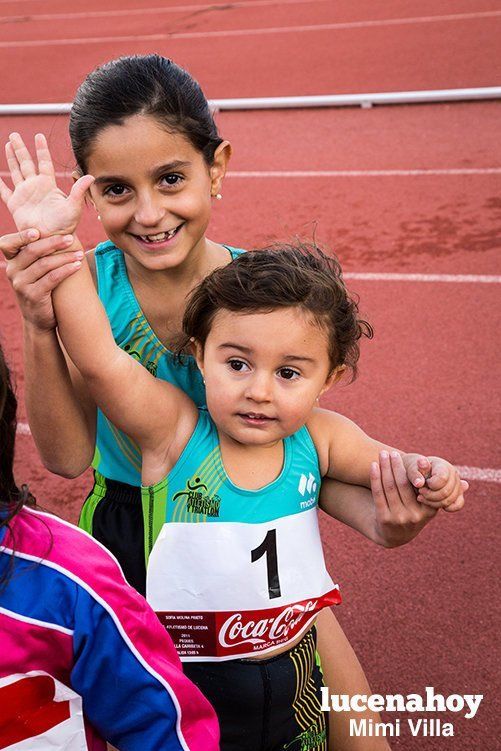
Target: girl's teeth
(159,237)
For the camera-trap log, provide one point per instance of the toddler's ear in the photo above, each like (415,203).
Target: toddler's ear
(196,349)
(334,376)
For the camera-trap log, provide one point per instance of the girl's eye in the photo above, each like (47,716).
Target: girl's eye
(237,365)
(288,374)
(115,191)
(172,180)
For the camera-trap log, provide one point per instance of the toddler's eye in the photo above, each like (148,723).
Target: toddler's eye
(237,365)
(288,374)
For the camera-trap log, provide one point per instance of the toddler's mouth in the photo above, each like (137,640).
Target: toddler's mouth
(255,416)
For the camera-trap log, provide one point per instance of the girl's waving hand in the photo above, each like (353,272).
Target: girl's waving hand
(35,200)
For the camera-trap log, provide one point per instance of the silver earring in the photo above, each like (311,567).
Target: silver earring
(99,217)
(218,196)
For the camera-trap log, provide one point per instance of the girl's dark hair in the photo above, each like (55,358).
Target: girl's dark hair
(282,276)
(141,85)
(11,498)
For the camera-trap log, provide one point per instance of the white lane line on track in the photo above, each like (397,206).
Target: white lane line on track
(247,32)
(482,475)
(467,473)
(365,173)
(369,276)
(245,174)
(151,11)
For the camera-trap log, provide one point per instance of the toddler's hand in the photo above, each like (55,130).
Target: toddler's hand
(35,200)
(444,487)
(437,481)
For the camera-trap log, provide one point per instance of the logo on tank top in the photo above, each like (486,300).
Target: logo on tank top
(306,486)
(150,366)
(197,498)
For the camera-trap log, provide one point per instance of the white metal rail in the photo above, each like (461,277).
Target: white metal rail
(299,102)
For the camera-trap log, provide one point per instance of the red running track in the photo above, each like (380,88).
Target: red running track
(425,614)
(401,55)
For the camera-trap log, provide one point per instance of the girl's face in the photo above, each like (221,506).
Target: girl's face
(153,190)
(264,372)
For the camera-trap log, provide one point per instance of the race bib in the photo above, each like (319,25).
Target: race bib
(38,713)
(226,590)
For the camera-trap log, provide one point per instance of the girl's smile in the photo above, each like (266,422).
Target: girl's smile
(159,240)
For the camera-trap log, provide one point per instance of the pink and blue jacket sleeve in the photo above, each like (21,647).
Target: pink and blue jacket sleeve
(68,611)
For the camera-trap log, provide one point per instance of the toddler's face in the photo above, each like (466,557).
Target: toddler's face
(264,372)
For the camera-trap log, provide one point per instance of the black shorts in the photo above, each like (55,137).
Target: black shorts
(267,705)
(113,514)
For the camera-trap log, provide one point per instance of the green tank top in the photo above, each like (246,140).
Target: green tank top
(116,456)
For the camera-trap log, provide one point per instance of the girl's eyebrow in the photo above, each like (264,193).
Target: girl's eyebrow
(169,167)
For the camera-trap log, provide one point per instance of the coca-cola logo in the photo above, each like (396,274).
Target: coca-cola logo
(236,631)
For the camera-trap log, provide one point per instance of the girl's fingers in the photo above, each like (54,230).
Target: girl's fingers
(30,254)
(406,491)
(23,156)
(10,245)
(13,165)
(45,164)
(377,489)
(389,485)
(41,276)
(80,188)
(5,191)
(52,279)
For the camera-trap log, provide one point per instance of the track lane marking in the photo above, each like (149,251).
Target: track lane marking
(246,174)
(397,277)
(152,11)
(467,473)
(365,173)
(247,32)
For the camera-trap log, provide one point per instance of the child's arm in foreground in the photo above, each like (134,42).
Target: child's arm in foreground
(346,453)
(61,413)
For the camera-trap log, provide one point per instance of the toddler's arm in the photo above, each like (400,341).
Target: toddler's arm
(390,515)
(346,453)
